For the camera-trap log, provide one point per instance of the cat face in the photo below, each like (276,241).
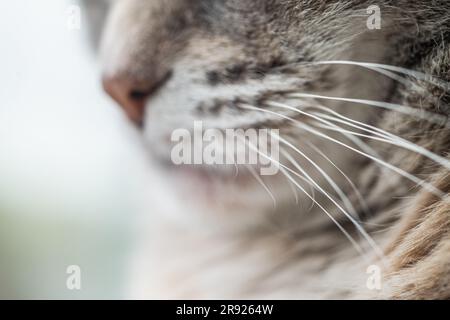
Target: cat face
(241,64)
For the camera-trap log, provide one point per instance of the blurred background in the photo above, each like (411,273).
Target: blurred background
(71,167)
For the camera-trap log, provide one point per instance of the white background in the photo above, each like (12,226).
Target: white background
(70,167)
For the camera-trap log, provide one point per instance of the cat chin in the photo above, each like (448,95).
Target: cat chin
(222,199)
(212,187)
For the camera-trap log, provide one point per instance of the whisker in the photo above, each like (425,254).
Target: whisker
(284,170)
(294,191)
(307,182)
(236,170)
(358,142)
(378,67)
(358,194)
(330,181)
(356,124)
(407,110)
(391,167)
(231,158)
(361,144)
(263,184)
(387,137)
(326,194)
(341,130)
(357,247)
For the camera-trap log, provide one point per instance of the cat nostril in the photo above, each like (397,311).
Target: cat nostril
(138,95)
(124,93)
(130,95)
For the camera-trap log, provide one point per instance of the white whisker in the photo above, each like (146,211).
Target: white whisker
(341,130)
(263,184)
(407,110)
(330,181)
(386,137)
(361,200)
(429,187)
(341,228)
(358,142)
(355,123)
(294,191)
(284,170)
(327,195)
(378,67)
(313,194)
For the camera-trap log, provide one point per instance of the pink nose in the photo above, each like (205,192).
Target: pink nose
(131,94)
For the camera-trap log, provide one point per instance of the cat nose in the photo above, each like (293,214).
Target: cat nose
(132,94)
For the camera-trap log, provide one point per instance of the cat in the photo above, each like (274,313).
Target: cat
(360,206)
